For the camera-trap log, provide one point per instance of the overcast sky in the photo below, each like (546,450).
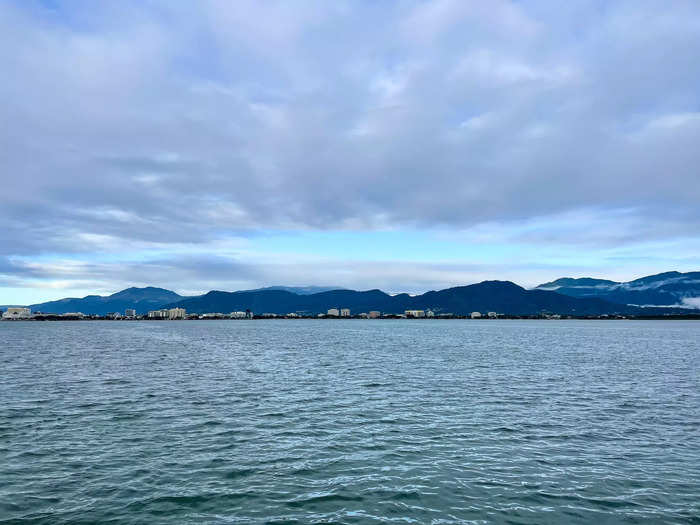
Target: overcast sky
(408,145)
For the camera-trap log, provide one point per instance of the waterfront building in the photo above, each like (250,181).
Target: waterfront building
(130,312)
(476,315)
(333,312)
(17,313)
(292,315)
(73,314)
(212,315)
(158,314)
(238,315)
(492,315)
(374,314)
(176,313)
(414,313)
(429,313)
(269,316)
(345,312)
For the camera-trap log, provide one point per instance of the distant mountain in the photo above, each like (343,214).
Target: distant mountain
(140,299)
(300,290)
(664,289)
(567,296)
(4,307)
(282,301)
(499,296)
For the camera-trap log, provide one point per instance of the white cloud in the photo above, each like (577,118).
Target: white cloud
(170,124)
(675,120)
(692,302)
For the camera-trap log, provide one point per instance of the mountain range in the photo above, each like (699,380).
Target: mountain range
(140,299)
(664,289)
(569,296)
(499,296)
(300,290)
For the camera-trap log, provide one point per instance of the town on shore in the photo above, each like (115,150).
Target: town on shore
(180,314)
(668,295)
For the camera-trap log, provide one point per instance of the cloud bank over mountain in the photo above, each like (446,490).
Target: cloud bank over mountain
(137,133)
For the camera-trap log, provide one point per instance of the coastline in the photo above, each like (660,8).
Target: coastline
(670,317)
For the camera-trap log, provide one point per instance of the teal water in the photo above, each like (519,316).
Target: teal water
(438,422)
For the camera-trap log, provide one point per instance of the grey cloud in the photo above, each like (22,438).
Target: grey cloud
(198,274)
(127,119)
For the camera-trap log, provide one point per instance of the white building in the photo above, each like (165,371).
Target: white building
(429,313)
(17,313)
(345,312)
(176,313)
(374,314)
(238,315)
(333,312)
(414,313)
(476,315)
(130,312)
(492,315)
(158,314)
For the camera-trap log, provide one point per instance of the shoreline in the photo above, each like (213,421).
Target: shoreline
(671,317)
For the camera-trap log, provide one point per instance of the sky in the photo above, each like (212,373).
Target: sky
(406,145)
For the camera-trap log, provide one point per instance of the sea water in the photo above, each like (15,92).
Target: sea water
(350,421)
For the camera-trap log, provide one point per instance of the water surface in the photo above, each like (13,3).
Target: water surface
(352,421)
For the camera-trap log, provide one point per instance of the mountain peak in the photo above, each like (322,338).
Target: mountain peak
(140,299)
(300,290)
(662,289)
(574,281)
(147,292)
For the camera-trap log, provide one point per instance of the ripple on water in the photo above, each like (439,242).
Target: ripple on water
(445,422)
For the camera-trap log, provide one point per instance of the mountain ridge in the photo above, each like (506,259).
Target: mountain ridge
(299,290)
(140,299)
(667,289)
(501,296)
(570,296)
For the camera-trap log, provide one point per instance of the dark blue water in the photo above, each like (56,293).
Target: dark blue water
(436,422)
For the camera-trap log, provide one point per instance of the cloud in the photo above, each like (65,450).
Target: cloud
(131,123)
(692,302)
(195,274)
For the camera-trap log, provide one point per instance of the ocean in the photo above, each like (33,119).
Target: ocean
(350,421)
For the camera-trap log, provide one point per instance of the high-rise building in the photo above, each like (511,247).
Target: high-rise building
(176,313)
